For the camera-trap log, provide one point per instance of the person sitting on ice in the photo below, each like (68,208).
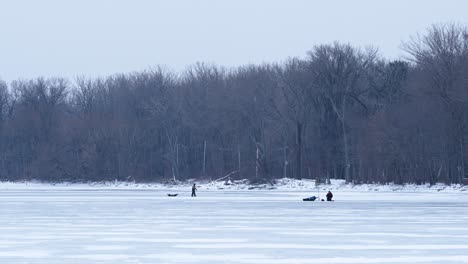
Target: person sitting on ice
(329,196)
(194,188)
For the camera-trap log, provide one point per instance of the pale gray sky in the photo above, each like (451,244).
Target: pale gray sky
(101,37)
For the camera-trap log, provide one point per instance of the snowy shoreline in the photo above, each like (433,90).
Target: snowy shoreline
(284,184)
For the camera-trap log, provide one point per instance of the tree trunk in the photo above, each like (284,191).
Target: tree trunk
(462,161)
(285,164)
(299,150)
(239,161)
(204,158)
(257,161)
(345,145)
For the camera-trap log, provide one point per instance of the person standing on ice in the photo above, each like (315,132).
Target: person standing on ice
(329,196)
(194,189)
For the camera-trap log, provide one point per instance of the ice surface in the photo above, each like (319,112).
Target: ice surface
(84,225)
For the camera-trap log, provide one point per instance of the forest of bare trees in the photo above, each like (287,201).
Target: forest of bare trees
(339,112)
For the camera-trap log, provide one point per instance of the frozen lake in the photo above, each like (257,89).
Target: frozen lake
(145,226)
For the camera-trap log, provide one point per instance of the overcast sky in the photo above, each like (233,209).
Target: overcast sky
(101,37)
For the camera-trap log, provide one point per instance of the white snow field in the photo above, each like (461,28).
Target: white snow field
(91,225)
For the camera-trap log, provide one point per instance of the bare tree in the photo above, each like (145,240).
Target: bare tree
(340,112)
(338,71)
(443,54)
(300,102)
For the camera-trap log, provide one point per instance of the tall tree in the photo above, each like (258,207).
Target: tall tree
(443,54)
(339,71)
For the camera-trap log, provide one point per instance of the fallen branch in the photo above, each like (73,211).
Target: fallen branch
(224,177)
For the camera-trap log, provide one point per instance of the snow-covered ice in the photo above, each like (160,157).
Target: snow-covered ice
(84,225)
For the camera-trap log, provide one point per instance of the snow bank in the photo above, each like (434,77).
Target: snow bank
(292,184)
(285,184)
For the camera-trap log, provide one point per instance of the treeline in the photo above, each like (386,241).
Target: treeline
(340,112)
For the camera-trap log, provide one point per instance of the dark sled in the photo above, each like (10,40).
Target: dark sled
(172,194)
(309,199)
